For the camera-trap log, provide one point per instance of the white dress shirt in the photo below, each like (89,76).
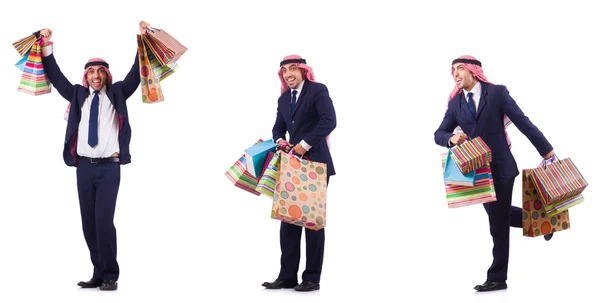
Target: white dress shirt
(476,90)
(305,145)
(108,128)
(108,124)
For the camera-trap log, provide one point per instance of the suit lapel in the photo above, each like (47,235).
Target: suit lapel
(482,100)
(83,96)
(301,98)
(287,105)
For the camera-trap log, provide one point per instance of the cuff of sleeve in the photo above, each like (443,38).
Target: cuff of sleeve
(305,145)
(47,50)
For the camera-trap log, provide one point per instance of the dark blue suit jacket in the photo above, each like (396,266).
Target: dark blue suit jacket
(117,93)
(495,102)
(312,121)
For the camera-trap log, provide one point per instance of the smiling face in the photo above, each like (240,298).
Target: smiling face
(463,77)
(292,75)
(96,77)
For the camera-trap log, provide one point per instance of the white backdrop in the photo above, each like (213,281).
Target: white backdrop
(186,234)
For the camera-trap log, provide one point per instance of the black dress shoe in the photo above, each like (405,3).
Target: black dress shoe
(491,285)
(548,236)
(279,284)
(307,286)
(93,283)
(109,285)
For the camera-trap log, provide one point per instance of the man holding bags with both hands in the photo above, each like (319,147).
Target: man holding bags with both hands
(305,111)
(97,143)
(482,109)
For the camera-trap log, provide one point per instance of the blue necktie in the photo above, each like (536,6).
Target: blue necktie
(471,105)
(294,92)
(93,127)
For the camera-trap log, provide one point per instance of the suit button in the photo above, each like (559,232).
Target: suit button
(292,122)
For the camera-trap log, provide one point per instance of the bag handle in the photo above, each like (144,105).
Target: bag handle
(291,152)
(546,162)
(466,140)
(152,29)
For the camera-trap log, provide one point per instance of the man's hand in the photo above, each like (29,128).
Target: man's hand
(284,146)
(143,26)
(459,138)
(299,149)
(46,35)
(549,155)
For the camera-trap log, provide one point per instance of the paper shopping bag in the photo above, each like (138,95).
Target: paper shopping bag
(150,86)
(256,155)
(300,196)
(453,175)
(266,183)
(34,80)
(482,192)
(471,155)
(164,46)
(558,181)
(23,45)
(535,220)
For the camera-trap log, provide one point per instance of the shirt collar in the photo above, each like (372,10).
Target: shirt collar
(299,88)
(102,91)
(476,90)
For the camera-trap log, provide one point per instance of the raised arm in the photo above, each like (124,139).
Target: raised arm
(55,76)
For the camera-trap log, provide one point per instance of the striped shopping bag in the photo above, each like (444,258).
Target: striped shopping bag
(560,206)
(536,220)
(33,80)
(160,71)
(471,155)
(558,181)
(239,175)
(23,45)
(266,184)
(482,192)
(164,46)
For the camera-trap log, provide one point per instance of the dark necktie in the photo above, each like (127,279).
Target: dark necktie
(294,92)
(93,127)
(471,104)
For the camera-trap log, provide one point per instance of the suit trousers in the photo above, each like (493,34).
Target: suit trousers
(502,215)
(289,239)
(98,186)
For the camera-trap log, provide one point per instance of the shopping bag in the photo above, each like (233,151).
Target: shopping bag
(560,206)
(23,45)
(150,86)
(558,181)
(161,71)
(256,155)
(471,155)
(482,192)
(453,175)
(21,64)
(238,175)
(163,46)
(34,80)
(557,207)
(266,183)
(300,196)
(535,220)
